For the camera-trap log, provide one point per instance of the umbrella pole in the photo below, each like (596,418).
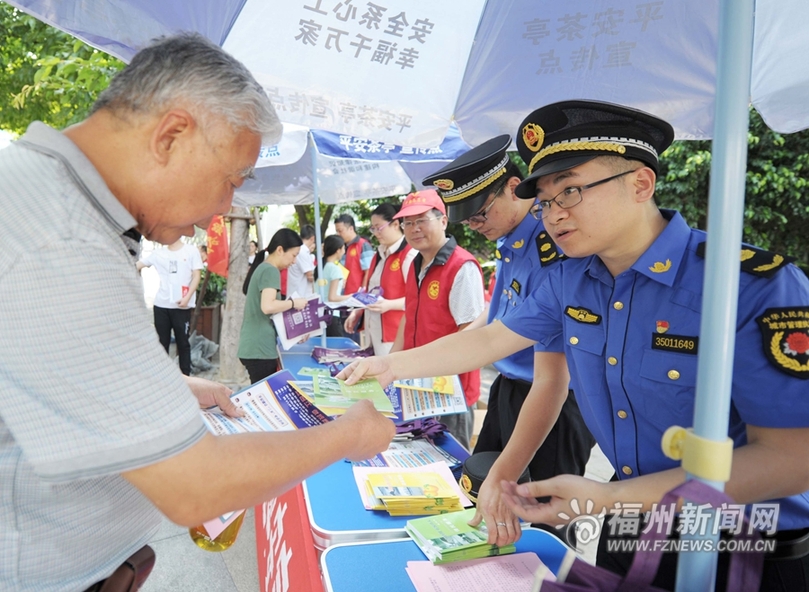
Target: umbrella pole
(696,570)
(318,238)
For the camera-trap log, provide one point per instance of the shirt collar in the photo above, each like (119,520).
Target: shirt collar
(662,260)
(46,140)
(440,258)
(394,248)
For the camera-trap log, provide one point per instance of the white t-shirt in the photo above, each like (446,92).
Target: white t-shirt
(297,283)
(175,269)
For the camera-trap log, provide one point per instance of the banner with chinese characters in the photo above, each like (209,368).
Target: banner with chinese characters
(218,246)
(386,70)
(400,71)
(285,549)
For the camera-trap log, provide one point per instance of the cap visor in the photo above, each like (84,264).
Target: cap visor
(528,188)
(463,210)
(413,211)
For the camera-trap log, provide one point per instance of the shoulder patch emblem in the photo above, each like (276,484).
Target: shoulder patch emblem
(433,289)
(518,244)
(660,267)
(497,254)
(515,285)
(785,337)
(547,250)
(583,315)
(395,265)
(353,252)
(756,261)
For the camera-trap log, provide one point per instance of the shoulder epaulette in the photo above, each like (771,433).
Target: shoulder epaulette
(547,250)
(756,261)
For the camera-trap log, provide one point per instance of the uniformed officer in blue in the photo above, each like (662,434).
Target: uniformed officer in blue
(625,306)
(478,190)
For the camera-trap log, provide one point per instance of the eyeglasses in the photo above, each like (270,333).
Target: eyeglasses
(569,197)
(480,217)
(420,223)
(378,229)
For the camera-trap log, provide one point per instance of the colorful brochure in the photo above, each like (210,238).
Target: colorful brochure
(415,398)
(293,326)
(271,405)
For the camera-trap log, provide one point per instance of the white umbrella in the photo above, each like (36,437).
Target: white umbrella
(401,70)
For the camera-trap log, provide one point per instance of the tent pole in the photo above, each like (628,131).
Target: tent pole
(696,570)
(318,238)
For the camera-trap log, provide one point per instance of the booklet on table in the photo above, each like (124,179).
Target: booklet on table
(447,537)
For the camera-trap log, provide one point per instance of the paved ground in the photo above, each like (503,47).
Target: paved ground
(183,567)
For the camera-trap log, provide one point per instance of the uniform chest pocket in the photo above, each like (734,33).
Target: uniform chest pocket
(669,398)
(583,337)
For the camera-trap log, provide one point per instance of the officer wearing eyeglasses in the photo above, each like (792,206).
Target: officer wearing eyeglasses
(626,309)
(478,190)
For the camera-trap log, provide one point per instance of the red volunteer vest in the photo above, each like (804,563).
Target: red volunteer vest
(427,313)
(352,264)
(392,282)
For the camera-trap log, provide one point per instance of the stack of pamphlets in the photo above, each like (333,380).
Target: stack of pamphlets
(448,537)
(410,453)
(329,355)
(412,494)
(362,474)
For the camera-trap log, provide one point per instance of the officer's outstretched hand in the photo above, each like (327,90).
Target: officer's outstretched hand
(570,495)
(373,367)
(502,524)
(369,431)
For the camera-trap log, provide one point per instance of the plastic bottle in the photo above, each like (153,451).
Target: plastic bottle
(222,542)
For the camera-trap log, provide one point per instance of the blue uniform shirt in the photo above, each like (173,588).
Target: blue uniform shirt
(631,345)
(519,273)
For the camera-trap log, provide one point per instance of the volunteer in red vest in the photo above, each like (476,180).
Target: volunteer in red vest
(359,253)
(389,268)
(443,292)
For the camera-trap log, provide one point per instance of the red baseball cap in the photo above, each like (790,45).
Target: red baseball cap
(420,202)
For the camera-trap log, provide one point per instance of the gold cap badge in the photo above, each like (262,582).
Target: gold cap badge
(533,136)
(444,184)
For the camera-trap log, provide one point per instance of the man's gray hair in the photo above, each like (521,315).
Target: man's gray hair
(189,67)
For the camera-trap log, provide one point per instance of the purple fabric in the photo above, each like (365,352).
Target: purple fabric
(744,572)
(428,428)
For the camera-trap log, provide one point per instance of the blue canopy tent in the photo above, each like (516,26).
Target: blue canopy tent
(485,64)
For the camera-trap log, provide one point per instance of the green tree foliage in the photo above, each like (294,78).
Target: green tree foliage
(46,74)
(776,214)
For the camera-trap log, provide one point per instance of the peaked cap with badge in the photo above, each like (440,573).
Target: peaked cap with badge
(466,182)
(564,135)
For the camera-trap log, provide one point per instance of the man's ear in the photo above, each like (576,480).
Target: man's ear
(173,126)
(511,184)
(644,184)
